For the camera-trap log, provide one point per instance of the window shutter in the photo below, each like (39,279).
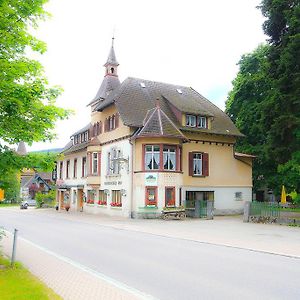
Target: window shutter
(99,163)
(191,173)
(205,165)
(117,120)
(91,131)
(105,125)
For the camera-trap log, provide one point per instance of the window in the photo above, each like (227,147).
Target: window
(76,139)
(201,122)
(86,137)
(113,165)
(162,157)
(83,170)
(91,196)
(68,169)
(98,127)
(170,196)
(151,195)
(198,164)
(169,158)
(152,157)
(61,165)
(102,198)
(238,196)
(95,163)
(190,120)
(111,123)
(75,168)
(116,199)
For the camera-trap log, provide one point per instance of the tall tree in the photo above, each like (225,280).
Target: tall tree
(265,99)
(27,104)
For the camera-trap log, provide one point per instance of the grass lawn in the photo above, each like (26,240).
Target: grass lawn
(19,284)
(8,204)
(297,209)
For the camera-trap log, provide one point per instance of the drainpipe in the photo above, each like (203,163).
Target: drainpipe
(131,170)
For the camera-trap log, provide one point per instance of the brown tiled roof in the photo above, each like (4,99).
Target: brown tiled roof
(108,84)
(133,101)
(74,148)
(83,129)
(157,123)
(94,142)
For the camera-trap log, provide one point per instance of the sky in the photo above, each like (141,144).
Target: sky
(192,43)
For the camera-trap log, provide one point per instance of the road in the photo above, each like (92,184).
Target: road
(166,268)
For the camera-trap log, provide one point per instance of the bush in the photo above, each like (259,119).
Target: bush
(48,198)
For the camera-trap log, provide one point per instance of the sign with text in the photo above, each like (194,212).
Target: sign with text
(151,179)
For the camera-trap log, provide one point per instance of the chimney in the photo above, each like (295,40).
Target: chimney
(157,103)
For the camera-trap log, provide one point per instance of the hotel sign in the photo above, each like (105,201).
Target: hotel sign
(151,179)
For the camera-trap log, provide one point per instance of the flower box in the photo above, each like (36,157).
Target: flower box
(102,202)
(90,202)
(116,204)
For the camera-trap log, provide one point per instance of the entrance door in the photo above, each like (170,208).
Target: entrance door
(170,196)
(61,199)
(79,200)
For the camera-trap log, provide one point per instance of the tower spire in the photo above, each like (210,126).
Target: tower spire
(111,80)
(111,60)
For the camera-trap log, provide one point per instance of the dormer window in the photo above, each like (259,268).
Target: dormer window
(190,121)
(196,121)
(201,122)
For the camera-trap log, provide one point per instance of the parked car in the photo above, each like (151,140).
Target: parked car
(29,202)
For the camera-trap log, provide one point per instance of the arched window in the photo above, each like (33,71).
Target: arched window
(112,70)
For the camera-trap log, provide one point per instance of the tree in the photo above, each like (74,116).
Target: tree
(264,102)
(27,104)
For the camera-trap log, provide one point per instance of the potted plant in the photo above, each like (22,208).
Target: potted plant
(67,206)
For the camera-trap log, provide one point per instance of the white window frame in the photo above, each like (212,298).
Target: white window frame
(95,163)
(169,151)
(152,153)
(201,122)
(113,164)
(198,160)
(191,121)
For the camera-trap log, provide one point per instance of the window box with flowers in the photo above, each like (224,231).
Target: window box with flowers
(114,204)
(116,199)
(90,201)
(102,202)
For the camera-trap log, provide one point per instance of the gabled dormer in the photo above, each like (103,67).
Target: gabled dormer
(196,121)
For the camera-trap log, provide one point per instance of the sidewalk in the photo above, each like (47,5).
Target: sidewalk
(228,231)
(68,280)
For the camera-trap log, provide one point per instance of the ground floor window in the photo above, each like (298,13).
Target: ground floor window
(170,196)
(192,196)
(102,198)
(151,195)
(116,199)
(91,196)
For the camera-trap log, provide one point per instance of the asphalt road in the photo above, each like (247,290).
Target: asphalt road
(166,268)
